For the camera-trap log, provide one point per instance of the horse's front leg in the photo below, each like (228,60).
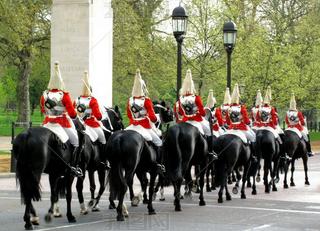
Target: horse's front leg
(69,181)
(305,167)
(244,178)
(102,182)
(201,183)
(92,187)
(79,186)
(292,171)
(153,175)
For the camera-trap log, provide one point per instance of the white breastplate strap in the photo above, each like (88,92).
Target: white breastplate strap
(238,133)
(296,130)
(58,130)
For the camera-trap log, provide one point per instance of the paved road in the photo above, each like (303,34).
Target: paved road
(297,208)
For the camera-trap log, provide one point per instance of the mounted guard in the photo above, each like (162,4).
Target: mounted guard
(267,117)
(223,109)
(57,106)
(297,122)
(237,117)
(191,108)
(214,114)
(254,111)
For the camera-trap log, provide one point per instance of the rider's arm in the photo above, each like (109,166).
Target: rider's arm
(287,120)
(95,108)
(218,115)
(66,100)
(129,114)
(149,107)
(199,104)
(274,117)
(301,118)
(42,105)
(245,115)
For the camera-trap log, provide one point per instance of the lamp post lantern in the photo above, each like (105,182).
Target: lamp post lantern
(179,26)
(229,40)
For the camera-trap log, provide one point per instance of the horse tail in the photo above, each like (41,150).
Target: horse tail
(173,158)
(26,177)
(116,177)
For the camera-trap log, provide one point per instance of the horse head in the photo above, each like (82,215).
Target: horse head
(113,119)
(164,111)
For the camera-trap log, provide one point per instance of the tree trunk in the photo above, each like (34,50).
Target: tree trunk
(23,91)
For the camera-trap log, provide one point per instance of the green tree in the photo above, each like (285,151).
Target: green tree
(24,30)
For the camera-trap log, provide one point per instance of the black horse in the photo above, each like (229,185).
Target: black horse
(183,147)
(296,148)
(232,153)
(268,148)
(37,151)
(94,158)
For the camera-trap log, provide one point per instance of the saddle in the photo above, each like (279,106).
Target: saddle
(238,133)
(58,131)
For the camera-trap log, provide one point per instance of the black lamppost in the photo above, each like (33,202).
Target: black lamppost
(179,26)
(229,40)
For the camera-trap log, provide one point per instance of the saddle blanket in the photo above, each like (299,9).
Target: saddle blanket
(296,130)
(91,133)
(58,130)
(143,131)
(238,133)
(270,129)
(197,125)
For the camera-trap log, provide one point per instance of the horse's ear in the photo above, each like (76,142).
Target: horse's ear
(116,108)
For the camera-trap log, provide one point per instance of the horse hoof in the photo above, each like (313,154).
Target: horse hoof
(228,197)
(249,185)
(258,179)
(162,199)
(267,191)
(96,209)
(48,218)
(292,184)
(152,212)
(135,201)
(254,192)
(178,208)
(243,196)
(145,201)
(35,220)
(120,218)
(112,206)
(90,203)
(285,186)
(213,188)
(28,226)
(57,215)
(307,183)
(235,190)
(274,189)
(202,203)
(71,219)
(181,197)
(220,200)
(276,180)
(208,189)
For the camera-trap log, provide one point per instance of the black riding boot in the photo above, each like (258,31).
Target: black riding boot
(310,154)
(75,169)
(210,148)
(161,167)
(283,154)
(254,157)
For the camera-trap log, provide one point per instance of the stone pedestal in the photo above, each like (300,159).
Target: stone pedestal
(81,39)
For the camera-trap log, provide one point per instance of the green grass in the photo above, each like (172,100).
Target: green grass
(6,119)
(5,152)
(314,136)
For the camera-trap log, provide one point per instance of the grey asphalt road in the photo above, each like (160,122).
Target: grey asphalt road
(296,208)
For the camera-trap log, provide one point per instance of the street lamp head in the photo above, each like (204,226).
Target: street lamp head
(229,35)
(179,21)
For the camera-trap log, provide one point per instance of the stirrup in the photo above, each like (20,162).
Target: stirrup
(76,171)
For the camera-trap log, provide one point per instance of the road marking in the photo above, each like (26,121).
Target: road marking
(258,227)
(76,225)
(214,206)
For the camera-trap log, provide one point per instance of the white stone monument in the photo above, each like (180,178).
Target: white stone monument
(81,39)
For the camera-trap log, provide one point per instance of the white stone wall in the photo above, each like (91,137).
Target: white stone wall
(81,39)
